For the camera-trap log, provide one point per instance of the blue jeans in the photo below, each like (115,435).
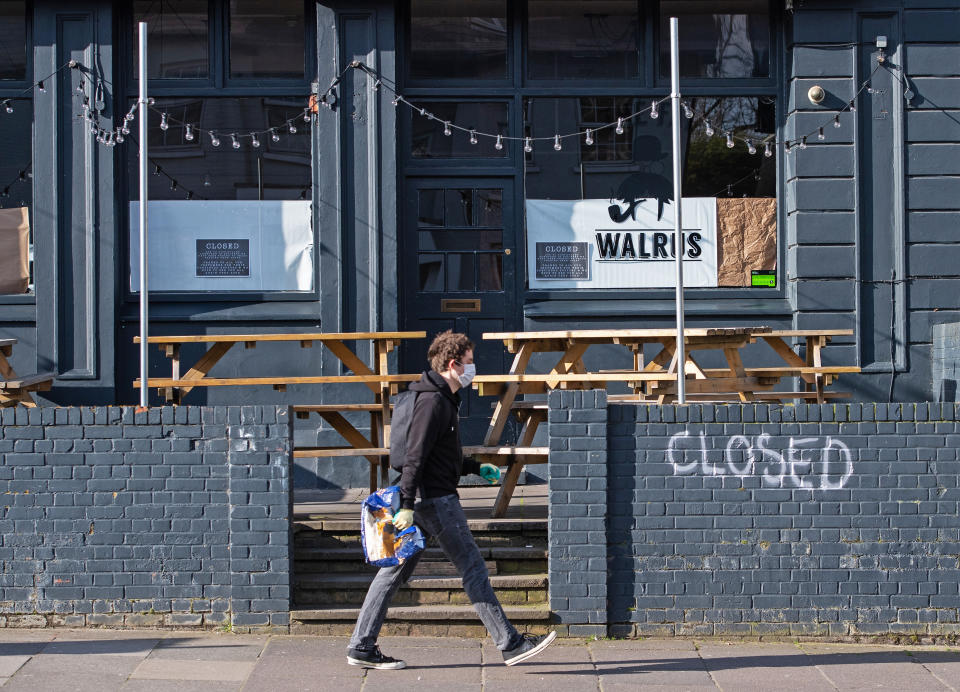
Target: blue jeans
(442,517)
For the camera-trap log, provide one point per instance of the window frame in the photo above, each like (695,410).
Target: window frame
(541,303)
(10,88)
(218,85)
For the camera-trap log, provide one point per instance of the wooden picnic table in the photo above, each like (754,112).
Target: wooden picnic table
(376,376)
(654,381)
(15,389)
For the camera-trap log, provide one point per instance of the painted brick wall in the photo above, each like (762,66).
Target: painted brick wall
(165,517)
(836,520)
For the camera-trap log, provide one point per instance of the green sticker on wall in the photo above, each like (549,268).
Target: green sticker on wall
(763,277)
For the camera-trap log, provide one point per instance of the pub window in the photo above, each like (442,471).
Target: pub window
(266,39)
(617,175)
(178,44)
(16,145)
(734,42)
(464,40)
(571,39)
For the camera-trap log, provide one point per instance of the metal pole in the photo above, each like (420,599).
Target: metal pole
(144,173)
(678,204)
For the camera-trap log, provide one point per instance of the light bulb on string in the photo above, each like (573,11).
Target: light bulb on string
(729,190)
(556,143)
(396,100)
(214,140)
(803,142)
(292,129)
(589,138)
(254,140)
(654,113)
(376,85)
(729,141)
(41,87)
(820,135)
(173,185)
(527,145)
(118,137)
(125,130)
(236,142)
(853,106)
(188,133)
(129,116)
(498,145)
(750,148)
(446,128)
(473,136)
(80,87)
(836,121)
(687,112)
(619,129)
(708,129)
(307,117)
(767,150)
(156,170)
(207,181)
(189,195)
(423,112)
(164,125)
(8,106)
(786,147)
(274,135)
(93,128)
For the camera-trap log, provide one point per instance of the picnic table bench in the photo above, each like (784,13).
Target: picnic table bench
(375,376)
(653,381)
(15,389)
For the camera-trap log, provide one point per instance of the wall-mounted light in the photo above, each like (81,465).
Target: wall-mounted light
(816,94)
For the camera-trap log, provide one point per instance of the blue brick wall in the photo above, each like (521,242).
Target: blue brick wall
(115,516)
(834,520)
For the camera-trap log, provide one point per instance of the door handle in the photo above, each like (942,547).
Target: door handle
(507,251)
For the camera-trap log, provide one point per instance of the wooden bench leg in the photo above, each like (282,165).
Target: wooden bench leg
(507,487)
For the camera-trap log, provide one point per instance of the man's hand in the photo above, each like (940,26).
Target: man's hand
(490,473)
(403,519)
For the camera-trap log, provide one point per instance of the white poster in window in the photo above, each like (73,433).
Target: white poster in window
(599,243)
(225,245)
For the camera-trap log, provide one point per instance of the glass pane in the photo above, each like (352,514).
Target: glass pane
(430,142)
(490,207)
(459,207)
(274,170)
(460,272)
(458,40)
(431,208)
(608,145)
(735,43)
(431,272)
(461,240)
(490,271)
(13,40)
(571,39)
(177,38)
(267,38)
(16,189)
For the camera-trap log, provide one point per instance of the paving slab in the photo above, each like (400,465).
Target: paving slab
(316,657)
(651,666)
(172,669)
(943,665)
(10,664)
(560,663)
(429,668)
(761,666)
(871,668)
(135,647)
(137,685)
(218,648)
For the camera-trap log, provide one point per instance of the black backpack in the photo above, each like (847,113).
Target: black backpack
(403,405)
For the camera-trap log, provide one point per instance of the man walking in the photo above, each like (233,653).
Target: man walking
(433,465)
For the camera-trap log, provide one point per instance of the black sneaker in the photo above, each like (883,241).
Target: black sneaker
(528,648)
(374,659)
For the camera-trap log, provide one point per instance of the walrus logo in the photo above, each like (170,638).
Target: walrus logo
(618,215)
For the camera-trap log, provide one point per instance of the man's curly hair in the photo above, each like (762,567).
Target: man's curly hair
(447,346)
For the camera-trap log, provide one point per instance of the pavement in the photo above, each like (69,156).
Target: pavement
(103,660)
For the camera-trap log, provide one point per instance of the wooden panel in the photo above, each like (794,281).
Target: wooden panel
(213,338)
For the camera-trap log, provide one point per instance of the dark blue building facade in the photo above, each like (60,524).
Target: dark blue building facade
(381,221)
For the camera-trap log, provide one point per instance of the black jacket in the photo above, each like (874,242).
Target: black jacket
(434,460)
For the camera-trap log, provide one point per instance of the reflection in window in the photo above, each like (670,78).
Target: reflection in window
(430,142)
(733,44)
(177,38)
(274,171)
(596,112)
(571,39)
(743,183)
(458,40)
(267,38)
(13,40)
(16,193)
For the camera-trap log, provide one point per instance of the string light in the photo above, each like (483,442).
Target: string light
(820,134)
(254,141)
(687,112)
(473,136)
(156,170)
(729,141)
(446,128)
(527,144)
(164,125)
(236,142)
(214,140)
(589,137)
(41,87)
(188,133)
(8,106)
(307,117)
(654,113)
(499,143)
(750,148)
(708,129)
(274,135)
(291,128)
(803,142)
(556,143)
(786,146)
(619,129)
(767,149)
(853,106)
(836,120)
(80,86)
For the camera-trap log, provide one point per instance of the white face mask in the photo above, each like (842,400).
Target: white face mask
(469,370)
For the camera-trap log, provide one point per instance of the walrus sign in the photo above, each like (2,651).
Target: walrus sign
(628,245)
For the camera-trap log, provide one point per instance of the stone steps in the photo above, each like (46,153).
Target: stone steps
(527,559)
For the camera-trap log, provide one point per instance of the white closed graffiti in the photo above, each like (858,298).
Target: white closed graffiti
(814,463)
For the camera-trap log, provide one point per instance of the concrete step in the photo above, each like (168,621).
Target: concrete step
(424,621)
(350,589)
(499,559)
(338,524)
